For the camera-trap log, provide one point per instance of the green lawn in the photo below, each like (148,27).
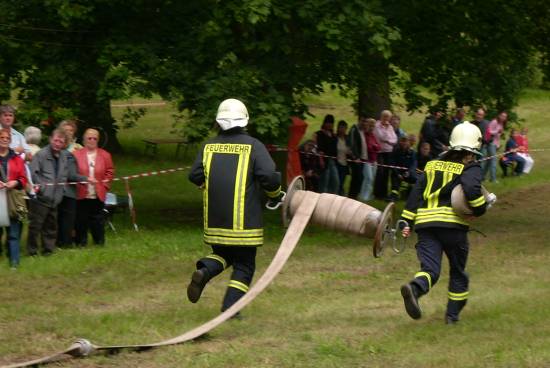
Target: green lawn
(333,305)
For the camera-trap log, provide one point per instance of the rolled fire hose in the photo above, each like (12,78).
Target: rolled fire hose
(299,207)
(460,204)
(343,214)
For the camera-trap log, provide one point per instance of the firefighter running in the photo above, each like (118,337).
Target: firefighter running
(439,227)
(231,168)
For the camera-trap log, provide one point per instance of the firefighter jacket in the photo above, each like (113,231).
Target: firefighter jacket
(429,203)
(234,169)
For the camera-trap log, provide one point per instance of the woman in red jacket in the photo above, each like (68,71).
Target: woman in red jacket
(96,163)
(12,176)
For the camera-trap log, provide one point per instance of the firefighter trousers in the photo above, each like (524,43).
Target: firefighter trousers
(243,260)
(432,243)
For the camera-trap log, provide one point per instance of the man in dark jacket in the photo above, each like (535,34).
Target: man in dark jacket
(434,133)
(51,168)
(480,122)
(231,168)
(358,147)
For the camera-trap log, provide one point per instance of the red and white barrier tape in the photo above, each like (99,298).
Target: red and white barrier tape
(135,176)
(131,204)
(284,149)
(274,149)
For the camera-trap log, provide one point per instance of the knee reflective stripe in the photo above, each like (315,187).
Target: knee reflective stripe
(219,259)
(426,275)
(458,296)
(238,285)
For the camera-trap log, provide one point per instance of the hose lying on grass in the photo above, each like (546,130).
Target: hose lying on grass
(83,347)
(334,212)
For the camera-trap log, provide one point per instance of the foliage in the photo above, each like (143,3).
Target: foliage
(77,55)
(471,53)
(63,56)
(130,116)
(266,53)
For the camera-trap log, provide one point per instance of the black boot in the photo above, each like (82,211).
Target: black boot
(410,298)
(198,281)
(453,310)
(450,321)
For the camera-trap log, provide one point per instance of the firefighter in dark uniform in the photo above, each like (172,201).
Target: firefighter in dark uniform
(439,228)
(233,169)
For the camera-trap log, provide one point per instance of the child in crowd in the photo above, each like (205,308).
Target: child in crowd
(311,165)
(404,157)
(523,150)
(395,122)
(412,140)
(424,155)
(512,147)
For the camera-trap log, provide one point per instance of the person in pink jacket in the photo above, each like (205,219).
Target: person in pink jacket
(492,135)
(95,163)
(385,135)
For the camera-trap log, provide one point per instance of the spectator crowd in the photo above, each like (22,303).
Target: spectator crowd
(65,184)
(59,188)
(383,160)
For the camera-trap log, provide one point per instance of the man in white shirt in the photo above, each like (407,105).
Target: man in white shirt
(18,142)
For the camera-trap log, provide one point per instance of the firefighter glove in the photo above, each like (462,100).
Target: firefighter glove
(491,200)
(274,203)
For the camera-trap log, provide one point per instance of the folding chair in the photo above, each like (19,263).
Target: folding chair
(114,202)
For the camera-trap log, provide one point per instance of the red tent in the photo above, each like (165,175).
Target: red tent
(296,132)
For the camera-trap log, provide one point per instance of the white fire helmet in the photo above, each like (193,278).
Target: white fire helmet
(466,136)
(232,113)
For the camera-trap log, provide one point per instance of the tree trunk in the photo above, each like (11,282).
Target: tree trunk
(373,88)
(95,111)
(97,114)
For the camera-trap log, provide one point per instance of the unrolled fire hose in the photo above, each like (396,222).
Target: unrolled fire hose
(299,206)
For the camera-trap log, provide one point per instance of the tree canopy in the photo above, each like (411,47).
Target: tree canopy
(68,57)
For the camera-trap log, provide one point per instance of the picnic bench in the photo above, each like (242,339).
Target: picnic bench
(151,144)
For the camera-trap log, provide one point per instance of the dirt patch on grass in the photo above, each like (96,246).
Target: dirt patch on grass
(518,213)
(532,199)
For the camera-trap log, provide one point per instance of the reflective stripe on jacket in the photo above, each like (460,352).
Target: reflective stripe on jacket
(429,204)
(234,169)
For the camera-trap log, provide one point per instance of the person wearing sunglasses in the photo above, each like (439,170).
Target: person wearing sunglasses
(97,164)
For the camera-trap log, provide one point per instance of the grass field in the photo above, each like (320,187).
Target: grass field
(334,305)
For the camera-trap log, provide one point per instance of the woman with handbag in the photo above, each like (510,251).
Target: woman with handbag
(12,203)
